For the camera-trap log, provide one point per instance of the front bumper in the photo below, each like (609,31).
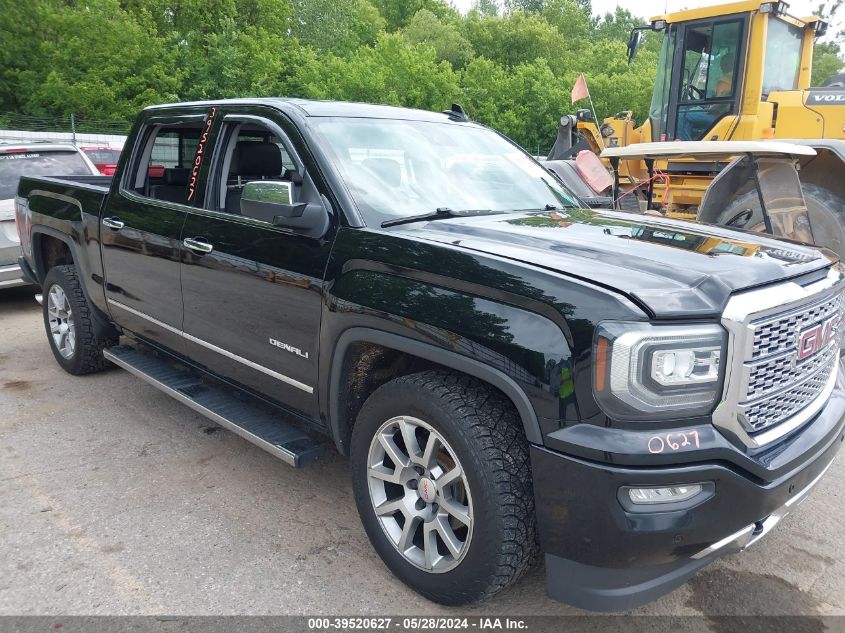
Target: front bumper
(604,557)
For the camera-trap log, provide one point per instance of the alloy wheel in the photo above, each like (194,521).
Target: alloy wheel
(60,318)
(420,494)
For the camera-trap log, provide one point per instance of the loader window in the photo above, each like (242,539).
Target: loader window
(658,112)
(708,82)
(783,56)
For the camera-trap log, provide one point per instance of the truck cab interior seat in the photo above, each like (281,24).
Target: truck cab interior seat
(251,160)
(175,187)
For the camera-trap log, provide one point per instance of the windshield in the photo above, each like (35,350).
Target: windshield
(397,168)
(37,163)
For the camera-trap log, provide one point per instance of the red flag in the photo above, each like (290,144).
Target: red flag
(579,90)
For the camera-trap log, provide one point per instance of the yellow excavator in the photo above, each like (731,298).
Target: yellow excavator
(733,72)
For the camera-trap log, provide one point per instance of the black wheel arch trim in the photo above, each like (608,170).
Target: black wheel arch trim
(102,321)
(464,364)
(41,229)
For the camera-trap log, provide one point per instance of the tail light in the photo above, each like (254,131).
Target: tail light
(22,224)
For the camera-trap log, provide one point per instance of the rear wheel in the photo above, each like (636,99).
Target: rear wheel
(68,321)
(825,218)
(442,482)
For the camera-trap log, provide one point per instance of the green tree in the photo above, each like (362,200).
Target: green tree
(827,56)
(339,26)
(486,8)
(426,28)
(826,62)
(398,13)
(390,72)
(124,68)
(528,6)
(520,38)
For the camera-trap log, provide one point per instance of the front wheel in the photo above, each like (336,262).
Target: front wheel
(442,482)
(69,323)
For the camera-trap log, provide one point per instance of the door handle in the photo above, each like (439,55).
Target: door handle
(113,223)
(198,244)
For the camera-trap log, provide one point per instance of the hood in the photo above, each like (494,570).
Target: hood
(672,268)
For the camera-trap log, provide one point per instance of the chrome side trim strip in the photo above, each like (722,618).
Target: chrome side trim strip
(273,374)
(740,535)
(146,317)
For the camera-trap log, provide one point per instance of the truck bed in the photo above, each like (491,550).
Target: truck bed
(101,184)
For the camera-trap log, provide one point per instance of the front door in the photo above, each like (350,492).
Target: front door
(252,290)
(140,230)
(707,65)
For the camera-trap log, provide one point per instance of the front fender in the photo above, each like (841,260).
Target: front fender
(523,354)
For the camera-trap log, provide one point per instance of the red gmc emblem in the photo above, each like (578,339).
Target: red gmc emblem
(816,338)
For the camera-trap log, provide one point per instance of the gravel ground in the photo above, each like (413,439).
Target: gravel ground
(116,499)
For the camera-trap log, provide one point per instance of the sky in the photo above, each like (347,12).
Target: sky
(648,8)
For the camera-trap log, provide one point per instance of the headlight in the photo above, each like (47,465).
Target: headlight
(645,372)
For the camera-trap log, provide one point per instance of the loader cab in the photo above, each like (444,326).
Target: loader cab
(699,78)
(710,65)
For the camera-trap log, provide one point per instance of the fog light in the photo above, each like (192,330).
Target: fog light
(674,494)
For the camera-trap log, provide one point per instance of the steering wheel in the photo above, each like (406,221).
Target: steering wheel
(693,93)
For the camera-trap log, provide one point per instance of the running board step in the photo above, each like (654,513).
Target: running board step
(218,404)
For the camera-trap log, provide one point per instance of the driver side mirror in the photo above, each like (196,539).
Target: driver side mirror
(273,201)
(634,42)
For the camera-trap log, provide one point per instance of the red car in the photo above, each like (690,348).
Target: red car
(104,158)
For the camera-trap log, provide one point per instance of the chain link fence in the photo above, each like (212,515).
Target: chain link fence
(15,127)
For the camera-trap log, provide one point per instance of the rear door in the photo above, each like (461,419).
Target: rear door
(252,290)
(141,225)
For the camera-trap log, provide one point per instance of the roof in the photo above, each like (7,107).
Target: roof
(718,10)
(37,146)
(706,149)
(313,108)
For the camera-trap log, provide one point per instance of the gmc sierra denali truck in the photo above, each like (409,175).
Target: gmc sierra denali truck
(508,371)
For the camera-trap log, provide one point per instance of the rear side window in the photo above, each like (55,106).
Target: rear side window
(163,169)
(13,165)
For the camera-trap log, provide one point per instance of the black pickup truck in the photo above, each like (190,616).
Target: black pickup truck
(508,371)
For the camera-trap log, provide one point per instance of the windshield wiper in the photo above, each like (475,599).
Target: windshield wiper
(439,214)
(548,207)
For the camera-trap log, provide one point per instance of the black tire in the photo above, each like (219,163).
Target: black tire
(484,432)
(87,356)
(826,216)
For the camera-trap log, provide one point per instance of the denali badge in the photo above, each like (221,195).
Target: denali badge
(817,337)
(288,348)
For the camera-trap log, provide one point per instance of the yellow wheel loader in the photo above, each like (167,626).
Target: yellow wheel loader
(734,72)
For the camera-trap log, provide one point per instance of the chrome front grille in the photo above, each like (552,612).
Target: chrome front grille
(777,385)
(769,391)
(778,334)
(784,403)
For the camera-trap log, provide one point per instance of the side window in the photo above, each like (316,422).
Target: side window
(164,168)
(710,60)
(253,153)
(783,56)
